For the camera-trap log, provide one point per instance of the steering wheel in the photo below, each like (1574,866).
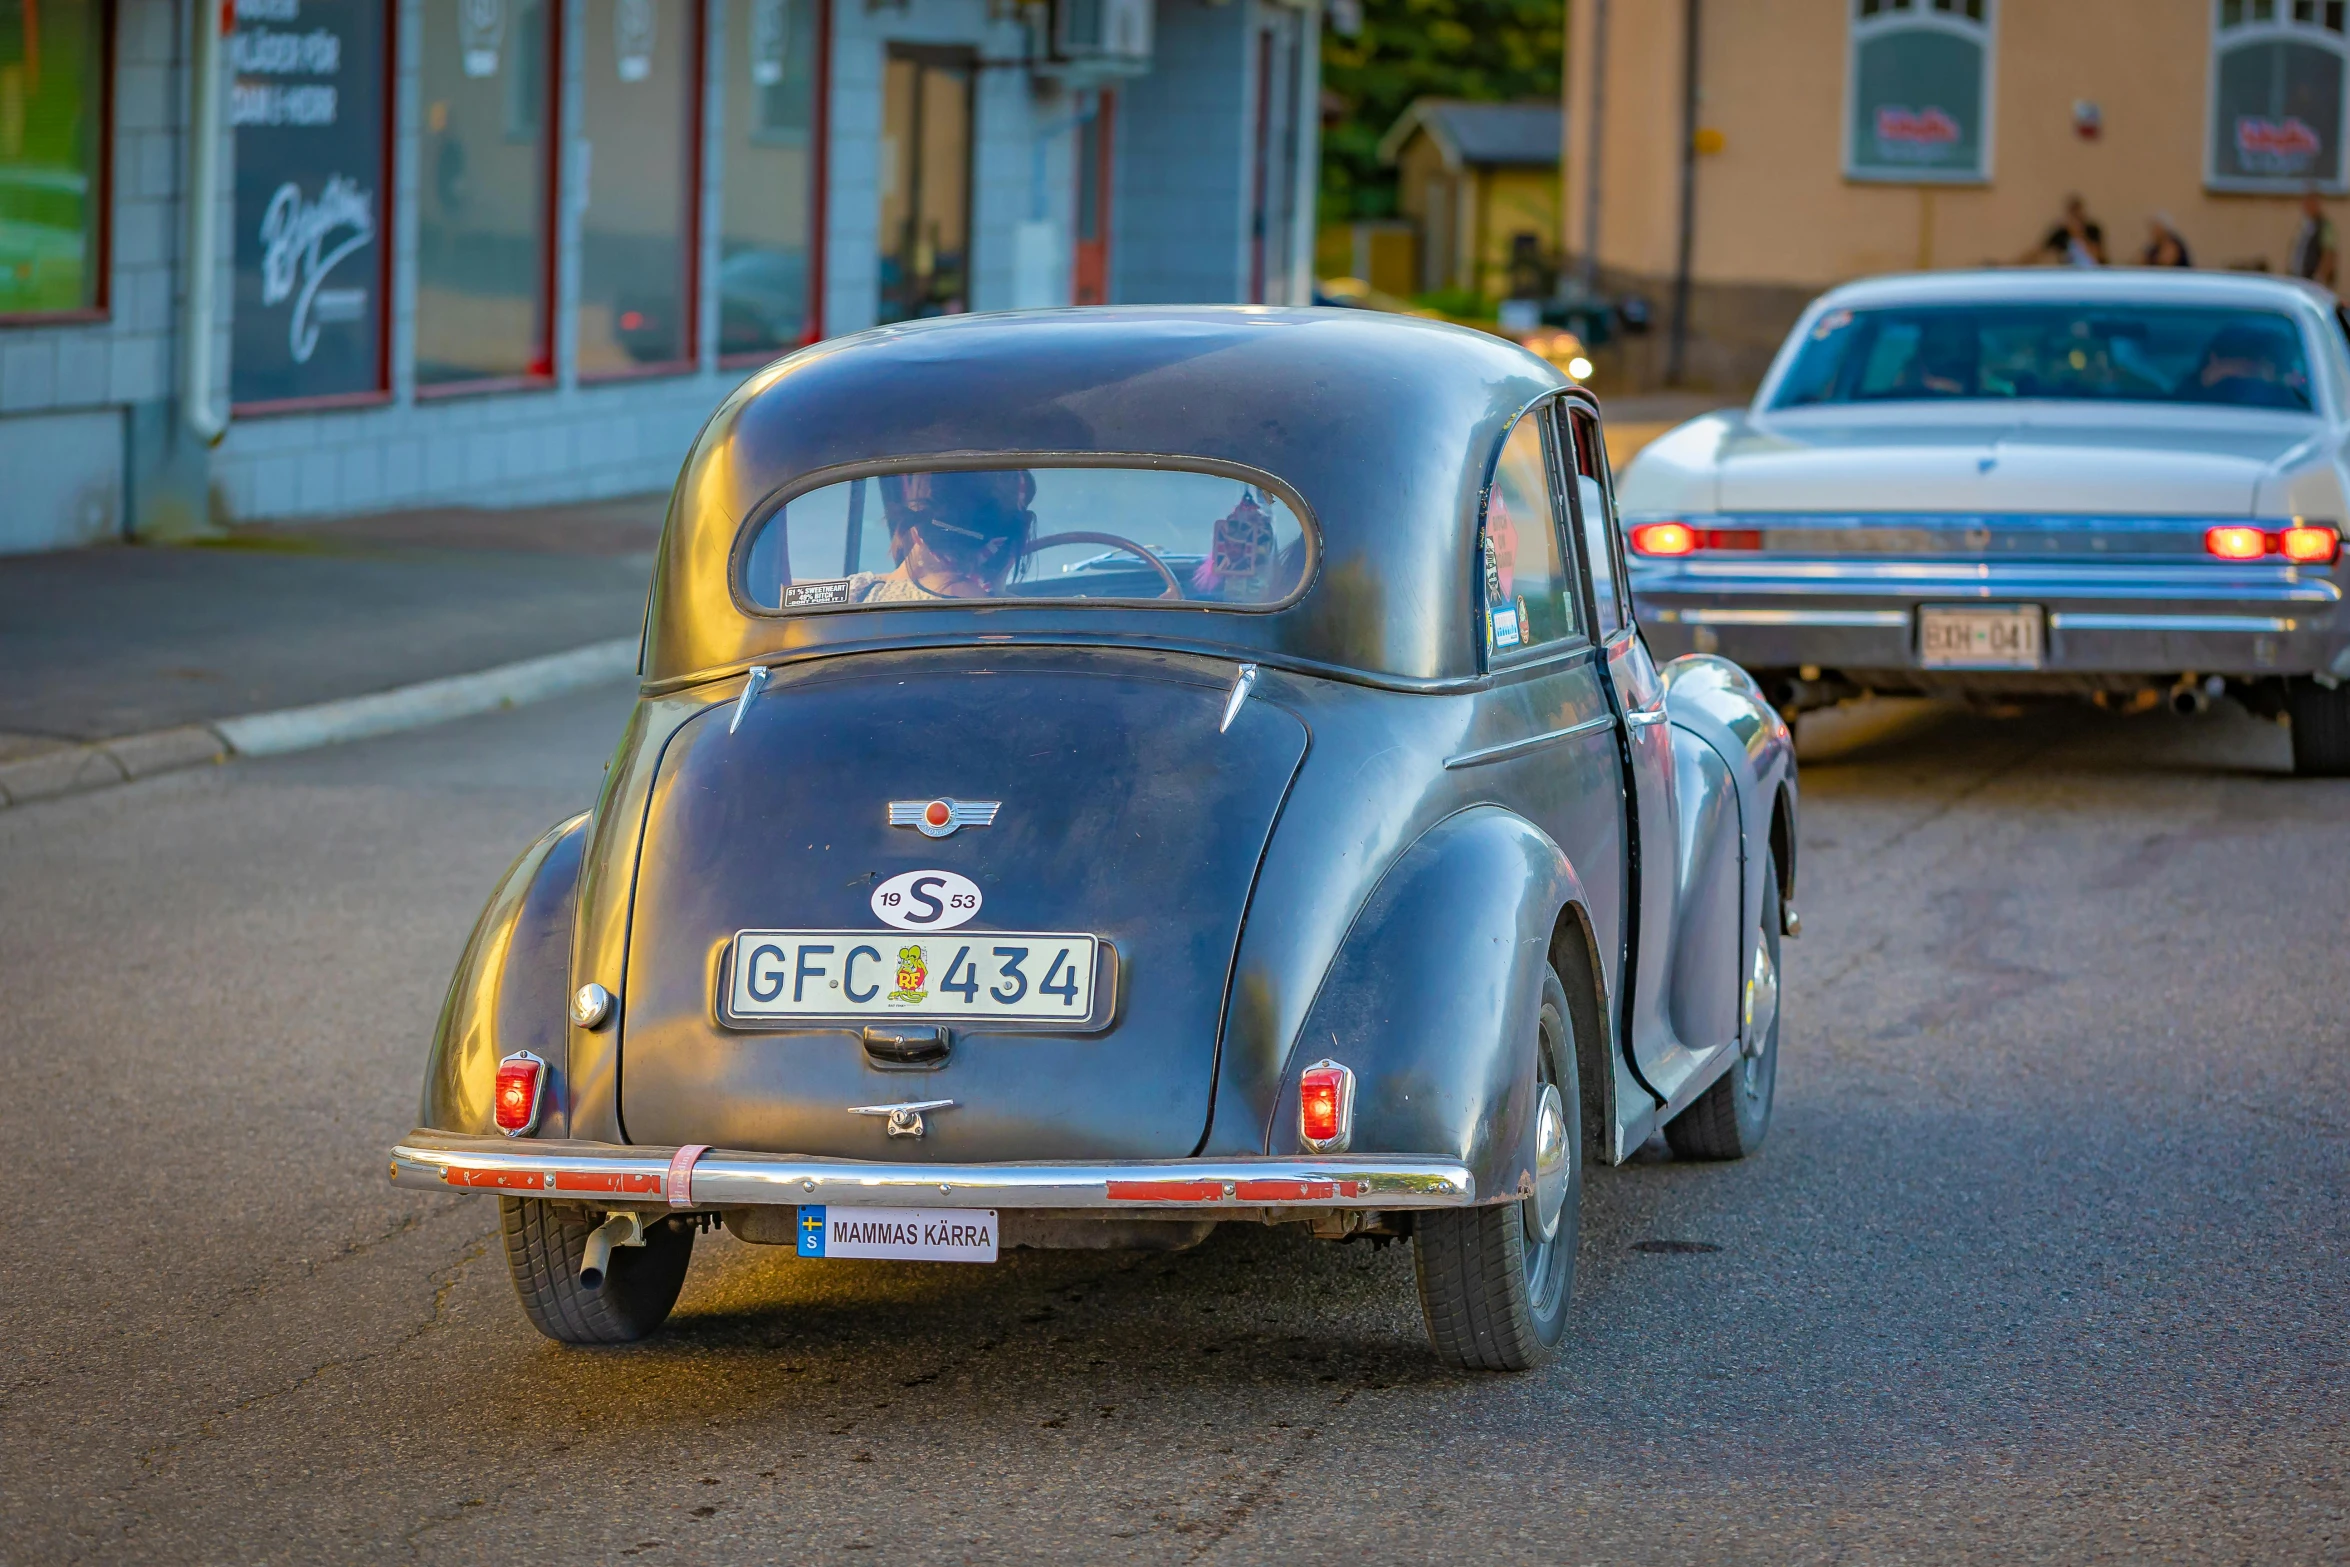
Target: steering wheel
(1174,588)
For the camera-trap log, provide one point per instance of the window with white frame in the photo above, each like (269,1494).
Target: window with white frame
(2276,95)
(1918,91)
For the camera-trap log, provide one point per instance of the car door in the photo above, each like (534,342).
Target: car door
(1638,692)
(1542,740)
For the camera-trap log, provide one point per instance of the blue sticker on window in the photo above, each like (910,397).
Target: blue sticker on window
(1505,628)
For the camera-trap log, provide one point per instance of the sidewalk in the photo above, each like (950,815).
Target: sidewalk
(123,641)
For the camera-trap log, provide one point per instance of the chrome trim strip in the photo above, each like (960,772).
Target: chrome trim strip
(612,1174)
(1513,748)
(1891,618)
(2074,620)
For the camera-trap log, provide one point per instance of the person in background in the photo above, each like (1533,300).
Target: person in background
(2076,241)
(2315,255)
(2165,245)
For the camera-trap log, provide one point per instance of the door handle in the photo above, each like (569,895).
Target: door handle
(1654,715)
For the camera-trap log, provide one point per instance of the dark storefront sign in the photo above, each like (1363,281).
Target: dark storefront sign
(308,106)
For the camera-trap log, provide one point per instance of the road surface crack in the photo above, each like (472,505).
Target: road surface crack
(445,1282)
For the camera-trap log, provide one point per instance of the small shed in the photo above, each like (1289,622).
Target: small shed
(1481,182)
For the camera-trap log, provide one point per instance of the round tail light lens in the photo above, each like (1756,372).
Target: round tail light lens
(522,1082)
(2234,542)
(1664,538)
(1326,1107)
(2309,544)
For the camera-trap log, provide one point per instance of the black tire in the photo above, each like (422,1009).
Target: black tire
(2321,728)
(1493,1290)
(1731,1118)
(544,1244)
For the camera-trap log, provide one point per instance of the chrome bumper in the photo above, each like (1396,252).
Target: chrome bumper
(623,1175)
(1781,612)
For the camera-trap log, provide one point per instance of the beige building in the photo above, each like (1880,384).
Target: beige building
(1830,139)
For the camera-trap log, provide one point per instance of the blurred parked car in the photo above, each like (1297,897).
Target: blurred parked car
(2104,484)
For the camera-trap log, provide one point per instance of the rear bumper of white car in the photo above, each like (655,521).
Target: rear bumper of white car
(2135,619)
(614,1175)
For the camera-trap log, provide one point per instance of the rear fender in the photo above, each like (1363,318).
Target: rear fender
(508,994)
(1432,1000)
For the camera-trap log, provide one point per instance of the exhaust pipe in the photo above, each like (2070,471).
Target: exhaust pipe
(595,1261)
(2190,698)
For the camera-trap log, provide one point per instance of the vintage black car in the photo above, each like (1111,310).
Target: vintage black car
(1103,774)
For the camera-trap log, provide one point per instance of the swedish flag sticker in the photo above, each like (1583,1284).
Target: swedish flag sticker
(811,1232)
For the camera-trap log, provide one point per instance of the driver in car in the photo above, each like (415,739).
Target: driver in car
(953,535)
(2242,366)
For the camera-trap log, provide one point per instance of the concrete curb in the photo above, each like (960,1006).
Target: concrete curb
(81,768)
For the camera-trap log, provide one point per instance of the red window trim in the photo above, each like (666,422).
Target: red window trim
(541,374)
(697,134)
(381,392)
(101,307)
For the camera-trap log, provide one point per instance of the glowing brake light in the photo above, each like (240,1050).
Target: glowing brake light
(1678,538)
(1664,538)
(522,1081)
(2304,543)
(1326,1107)
(2309,543)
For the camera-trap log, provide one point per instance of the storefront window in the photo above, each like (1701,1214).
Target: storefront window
(484,263)
(926,183)
(52,157)
(2276,95)
(1918,86)
(638,188)
(773,163)
(308,107)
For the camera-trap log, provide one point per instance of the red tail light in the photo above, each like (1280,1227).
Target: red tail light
(2304,543)
(1326,1107)
(2235,543)
(1664,538)
(2309,543)
(522,1080)
(1678,538)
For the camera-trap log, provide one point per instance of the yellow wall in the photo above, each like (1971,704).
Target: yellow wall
(1488,205)
(1774,207)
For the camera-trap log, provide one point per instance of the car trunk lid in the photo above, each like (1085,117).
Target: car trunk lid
(1125,814)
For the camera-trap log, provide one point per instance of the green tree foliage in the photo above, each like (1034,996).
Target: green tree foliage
(1485,49)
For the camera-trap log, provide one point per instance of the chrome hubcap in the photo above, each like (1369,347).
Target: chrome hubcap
(1550,1165)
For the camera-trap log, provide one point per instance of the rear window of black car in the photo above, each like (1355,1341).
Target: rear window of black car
(2102,353)
(909,538)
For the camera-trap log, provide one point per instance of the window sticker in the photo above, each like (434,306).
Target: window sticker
(1505,628)
(800,595)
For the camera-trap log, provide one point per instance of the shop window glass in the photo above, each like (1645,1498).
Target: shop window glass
(483,261)
(52,155)
(2276,96)
(767,206)
(1918,91)
(308,106)
(638,191)
(1529,597)
(926,183)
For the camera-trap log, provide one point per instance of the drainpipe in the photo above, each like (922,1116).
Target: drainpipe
(205,420)
(1675,362)
(1593,134)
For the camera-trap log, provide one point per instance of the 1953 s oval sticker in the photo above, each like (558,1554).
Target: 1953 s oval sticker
(926,900)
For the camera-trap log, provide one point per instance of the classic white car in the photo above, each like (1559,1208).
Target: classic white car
(2024,482)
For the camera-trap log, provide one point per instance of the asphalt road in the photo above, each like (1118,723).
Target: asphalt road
(2045,1258)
